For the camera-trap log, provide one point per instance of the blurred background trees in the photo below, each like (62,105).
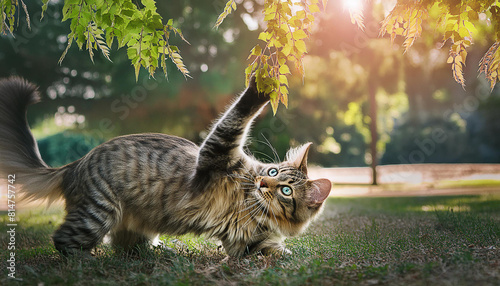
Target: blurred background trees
(423,115)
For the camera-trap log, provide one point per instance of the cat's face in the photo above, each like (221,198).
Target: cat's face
(284,195)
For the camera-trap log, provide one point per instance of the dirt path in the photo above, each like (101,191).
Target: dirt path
(408,191)
(413,180)
(409,174)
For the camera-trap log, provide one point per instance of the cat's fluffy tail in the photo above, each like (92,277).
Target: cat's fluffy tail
(19,155)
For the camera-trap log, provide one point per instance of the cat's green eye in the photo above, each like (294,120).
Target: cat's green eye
(273,172)
(286,190)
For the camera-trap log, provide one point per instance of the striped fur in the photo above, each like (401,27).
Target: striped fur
(138,186)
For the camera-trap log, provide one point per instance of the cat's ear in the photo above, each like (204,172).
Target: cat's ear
(319,191)
(298,157)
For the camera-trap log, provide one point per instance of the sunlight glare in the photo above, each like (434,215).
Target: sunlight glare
(353,5)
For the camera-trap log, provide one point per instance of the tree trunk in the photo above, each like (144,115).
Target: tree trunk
(372,90)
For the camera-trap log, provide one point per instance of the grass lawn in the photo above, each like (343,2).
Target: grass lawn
(453,240)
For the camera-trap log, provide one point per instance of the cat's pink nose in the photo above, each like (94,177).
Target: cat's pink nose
(263,184)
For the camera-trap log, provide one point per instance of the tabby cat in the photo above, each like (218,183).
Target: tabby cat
(138,186)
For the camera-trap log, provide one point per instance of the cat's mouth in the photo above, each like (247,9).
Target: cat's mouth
(260,185)
(263,190)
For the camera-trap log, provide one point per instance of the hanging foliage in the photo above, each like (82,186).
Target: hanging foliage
(289,25)
(457,18)
(96,24)
(8,10)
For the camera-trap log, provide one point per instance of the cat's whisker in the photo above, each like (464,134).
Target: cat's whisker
(236,175)
(243,179)
(259,221)
(249,199)
(248,187)
(251,218)
(257,205)
(274,216)
(247,184)
(248,221)
(250,213)
(238,179)
(274,160)
(267,158)
(276,156)
(249,204)
(249,177)
(261,208)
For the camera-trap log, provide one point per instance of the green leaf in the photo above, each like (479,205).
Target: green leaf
(463,32)
(135,25)
(256,51)
(284,95)
(286,50)
(314,8)
(263,36)
(301,46)
(230,6)
(301,14)
(174,48)
(283,80)
(269,16)
(285,7)
(470,26)
(137,67)
(109,39)
(299,34)
(284,69)
(119,21)
(128,13)
(274,101)
(44,7)
(248,73)
(149,4)
(98,3)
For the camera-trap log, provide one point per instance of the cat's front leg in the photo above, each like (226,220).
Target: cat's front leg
(223,147)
